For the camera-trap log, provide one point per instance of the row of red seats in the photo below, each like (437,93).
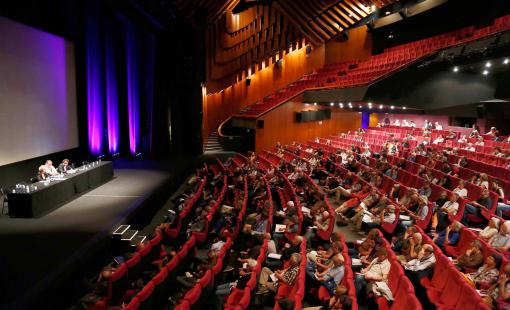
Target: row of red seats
(396,56)
(448,289)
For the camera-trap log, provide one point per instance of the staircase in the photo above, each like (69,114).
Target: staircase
(213,143)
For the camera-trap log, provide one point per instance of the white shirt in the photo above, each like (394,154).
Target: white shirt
(451,206)
(421,264)
(379,269)
(461,192)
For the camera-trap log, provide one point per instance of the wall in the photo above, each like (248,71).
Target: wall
(419,119)
(358,46)
(280,125)
(219,106)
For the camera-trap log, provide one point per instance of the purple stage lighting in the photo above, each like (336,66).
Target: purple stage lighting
(94,87)
(133,85)
(112,99)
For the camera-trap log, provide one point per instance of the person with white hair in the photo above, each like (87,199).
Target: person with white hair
(321,223)
(449,236)
(491,230)
(501,241)
(405,123)
(245,273)
(287,276)
(333,275)
(49,169)
(422,266)
(438,126)
(396,123)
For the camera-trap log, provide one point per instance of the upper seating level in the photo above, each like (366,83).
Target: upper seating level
(360,73)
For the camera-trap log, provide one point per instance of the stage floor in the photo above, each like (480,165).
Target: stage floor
(36,251)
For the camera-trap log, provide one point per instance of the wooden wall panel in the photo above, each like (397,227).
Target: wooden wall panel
(357,47)
(219,106)
(280,125)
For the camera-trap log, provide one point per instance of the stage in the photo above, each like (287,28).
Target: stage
(45,258)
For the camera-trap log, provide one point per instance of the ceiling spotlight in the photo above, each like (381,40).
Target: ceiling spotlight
(485,72)
(315,103)
(369,106)
(387,12)
(370,103)
(403,108)
(341,105)
(306,103)
(360,106)
(332,104)
(380,106)
(455,69)
(390,36)
(505,62)
(392,107)
(488,64)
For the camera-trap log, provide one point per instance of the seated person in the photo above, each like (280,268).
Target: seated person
(41,174)
(64,166)
(486,275)
(224,290)
(333,275)
(49,169)
(421,266)
(501,241)
(420,214)
(286,276)
(475,207)
(500,291)
(449,236)
(425,190)
(376,271)
(340,300)
(291,226)
(440,218)
(413,248)
(387,215)
(491,230)
(472,257)
(197,270)
(321,223)
(460,189)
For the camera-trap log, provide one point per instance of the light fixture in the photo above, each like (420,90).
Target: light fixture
(485,72)
(403,108)
(505,62)
(306,103)
(387,12)
(360,106)
(370,103)
(392,107)
(331,104)
(455,69)
(488,64)
(380,106)
(315,103)
(369,106)
(341,105)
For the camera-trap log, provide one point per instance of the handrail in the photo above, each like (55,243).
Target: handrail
(221,127)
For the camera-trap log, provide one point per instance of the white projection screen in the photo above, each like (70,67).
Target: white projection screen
(38,113)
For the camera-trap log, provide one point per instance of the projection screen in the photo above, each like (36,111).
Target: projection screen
(37,93)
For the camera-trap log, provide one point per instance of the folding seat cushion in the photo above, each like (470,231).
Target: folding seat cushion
(439,276)
(193,294)
(146,302)
(465,239)
(118,284)
(469,298)
(184,305)
(448,297)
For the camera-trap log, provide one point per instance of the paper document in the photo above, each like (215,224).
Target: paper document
(305,210)
(405,217)
(280,228)
(274,255)
(273,277)
(356,262)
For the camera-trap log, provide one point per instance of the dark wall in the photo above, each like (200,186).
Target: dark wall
(430,88)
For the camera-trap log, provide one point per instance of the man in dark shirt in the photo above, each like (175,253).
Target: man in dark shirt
(475,207)
(223,290)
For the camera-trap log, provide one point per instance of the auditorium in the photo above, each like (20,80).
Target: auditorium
(255,154)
